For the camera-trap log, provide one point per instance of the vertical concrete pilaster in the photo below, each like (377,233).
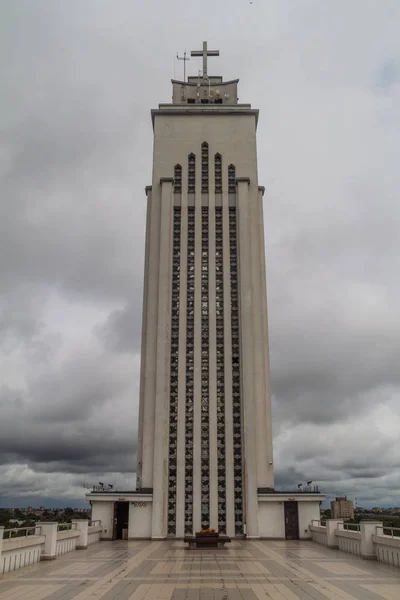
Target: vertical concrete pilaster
(197,357)
(213,350)
(1,548)
(247,358)
(266,372)
(230,507)
(160,464)
(139,467)
(367,530)
(181,456)
(49,530)
(331,528)
(82,525)
(260,400)
(149,342)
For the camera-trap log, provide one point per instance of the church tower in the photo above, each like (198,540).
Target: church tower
(205,439)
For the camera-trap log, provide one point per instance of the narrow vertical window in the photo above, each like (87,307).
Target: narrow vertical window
(236,387)
(219,298)
(173,393)
(218,173)
(205,376)
(178,179)
(189,404)
(191,173)
(204,168)
(232,179)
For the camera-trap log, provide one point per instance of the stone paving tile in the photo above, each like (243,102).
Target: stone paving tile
(123,590)
(257,570)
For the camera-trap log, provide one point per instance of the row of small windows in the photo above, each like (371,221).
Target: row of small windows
(172,463)
(236,383)
(204,174)
(204,101)
(205,412)
(220,364)
(189,403)
(204,367)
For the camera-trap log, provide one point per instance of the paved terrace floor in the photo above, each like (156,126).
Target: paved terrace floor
(168,571)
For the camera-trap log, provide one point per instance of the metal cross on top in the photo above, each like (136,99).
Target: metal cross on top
(204,53)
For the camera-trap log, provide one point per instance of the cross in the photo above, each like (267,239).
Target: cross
(204,53)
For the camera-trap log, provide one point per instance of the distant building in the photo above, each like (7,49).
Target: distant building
(342,508)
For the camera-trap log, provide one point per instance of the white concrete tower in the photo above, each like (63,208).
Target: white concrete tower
(205,439)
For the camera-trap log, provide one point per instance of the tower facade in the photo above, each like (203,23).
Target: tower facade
(205,438)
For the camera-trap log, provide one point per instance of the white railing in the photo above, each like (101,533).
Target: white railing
(67,536)
(66,526)
(94,532)
(316,523)
(382,529)
(20,547)
(351,526)
(369,540)
(16,532)
(24,546)
(95,523)
(349,541)
(387,545)
(319,532)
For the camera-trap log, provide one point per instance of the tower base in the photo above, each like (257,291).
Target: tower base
(280,515)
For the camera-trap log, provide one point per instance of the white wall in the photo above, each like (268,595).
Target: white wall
(319,535)
(94,534)
(387,549)
(307,512)
(140,520)
(20,552)
(66,541)
(271,519)
(104,512)
(349,541)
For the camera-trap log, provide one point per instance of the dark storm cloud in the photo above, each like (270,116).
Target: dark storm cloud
(73,442)
(78,82)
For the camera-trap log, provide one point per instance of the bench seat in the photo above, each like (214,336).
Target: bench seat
(207,541)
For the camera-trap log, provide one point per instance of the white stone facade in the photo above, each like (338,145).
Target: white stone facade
(222,137)
(205,430)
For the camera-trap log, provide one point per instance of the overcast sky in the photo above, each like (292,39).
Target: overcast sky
(78,80)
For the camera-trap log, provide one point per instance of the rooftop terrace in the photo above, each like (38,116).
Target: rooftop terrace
(167,570)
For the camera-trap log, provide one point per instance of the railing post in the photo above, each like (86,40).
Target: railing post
(49,530)
(82,525)
(331,527)
(1,546)
(368,529)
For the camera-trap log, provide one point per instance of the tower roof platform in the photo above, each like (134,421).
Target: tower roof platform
(167,570)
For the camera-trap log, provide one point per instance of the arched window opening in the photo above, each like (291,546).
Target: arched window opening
(218,173)
(232,179)
(178,179)
(192,174)
(204,168)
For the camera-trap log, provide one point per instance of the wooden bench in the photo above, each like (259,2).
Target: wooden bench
(207,541)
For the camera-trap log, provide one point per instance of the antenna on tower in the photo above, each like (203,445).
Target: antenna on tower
(184,58)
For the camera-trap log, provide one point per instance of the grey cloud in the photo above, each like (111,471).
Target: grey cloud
(389,73)
(75,155)
(122,330)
